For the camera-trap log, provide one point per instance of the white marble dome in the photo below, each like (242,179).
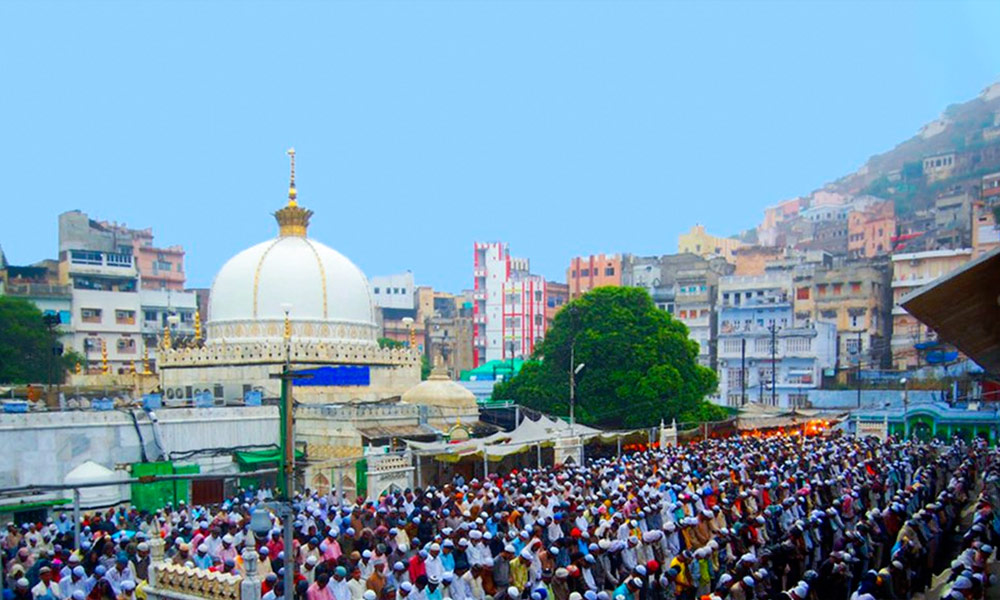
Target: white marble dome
(328,297)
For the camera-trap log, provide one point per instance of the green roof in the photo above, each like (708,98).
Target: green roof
(494,367)
(261,457)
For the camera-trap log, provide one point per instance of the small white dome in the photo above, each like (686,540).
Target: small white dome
(440,391)
(94,497)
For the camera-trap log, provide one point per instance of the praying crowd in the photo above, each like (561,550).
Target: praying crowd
(743,518)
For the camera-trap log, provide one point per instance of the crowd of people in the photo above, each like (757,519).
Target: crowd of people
(743,518)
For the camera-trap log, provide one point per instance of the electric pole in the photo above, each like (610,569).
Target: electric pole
(858,375)
(743,371)
(774,365)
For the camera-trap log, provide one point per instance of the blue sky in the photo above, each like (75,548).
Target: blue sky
(562,127)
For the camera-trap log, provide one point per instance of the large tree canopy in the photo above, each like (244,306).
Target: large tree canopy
(27,346)
(640,365)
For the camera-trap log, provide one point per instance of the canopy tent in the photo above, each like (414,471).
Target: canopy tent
(528,434)
(758,416)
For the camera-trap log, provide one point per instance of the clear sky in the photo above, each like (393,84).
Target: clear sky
(562,127)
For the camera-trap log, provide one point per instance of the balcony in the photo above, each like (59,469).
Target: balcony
(37,290)
(101,263)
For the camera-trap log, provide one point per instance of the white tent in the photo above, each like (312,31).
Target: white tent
(528,434)
(94,497)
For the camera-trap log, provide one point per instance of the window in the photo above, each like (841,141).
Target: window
(162,265)
(838,289)
(733,377)
(90,315)
(802,293)
(376,290)
(852,345)
(538,296)
(149,315)
(217,390)
(821,289)
(855,287)
(125,317)
(126,345)
(731,346)
(762,345)
(610,271)
(573,273)
(683,314)
(798,400)
(798,344)
(584,272)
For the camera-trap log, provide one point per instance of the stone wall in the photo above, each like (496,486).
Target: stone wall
(47,445)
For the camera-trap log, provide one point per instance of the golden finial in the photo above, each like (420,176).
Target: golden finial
(291,185)
(293,220)
(288,327)
(166,337)
(133,367)
(145,359)
(104,356)
(78,368)
(197,325)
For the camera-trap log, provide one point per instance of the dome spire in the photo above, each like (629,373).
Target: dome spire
(291,185)
(293,220)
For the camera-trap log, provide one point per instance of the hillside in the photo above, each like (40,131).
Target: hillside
(970,130)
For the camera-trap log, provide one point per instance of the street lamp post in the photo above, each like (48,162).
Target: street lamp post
(906,409)
(574,369)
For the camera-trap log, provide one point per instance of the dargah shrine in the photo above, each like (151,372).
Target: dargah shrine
(295,299)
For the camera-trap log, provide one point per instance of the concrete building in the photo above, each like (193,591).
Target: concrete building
(449,334)
(763,354)
(557,296)
(870,230)
(394,291)
(909,272)
(939,166)
(38,284)
(159,268)
(508,304)
(700,242)
(110,326)
(587,272)
(753,260)
(855,297)
(985,233)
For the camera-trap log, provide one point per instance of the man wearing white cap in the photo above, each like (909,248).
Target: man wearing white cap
(432,563)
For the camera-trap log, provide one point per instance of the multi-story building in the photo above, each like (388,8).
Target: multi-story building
(909,272)
(557,295)
(763,355)
(449,333)
(985,233)
(109,319)
(753,260)
(700,242)
(939,166)
(870,231)
(394,291)
(587,272)
(855,297)
(38,284)
(775,218)
(159,268)
(509,304)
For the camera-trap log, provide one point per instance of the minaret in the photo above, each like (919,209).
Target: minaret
(293,220)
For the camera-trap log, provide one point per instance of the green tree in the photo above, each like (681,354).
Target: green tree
(27,347)
(640,365)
